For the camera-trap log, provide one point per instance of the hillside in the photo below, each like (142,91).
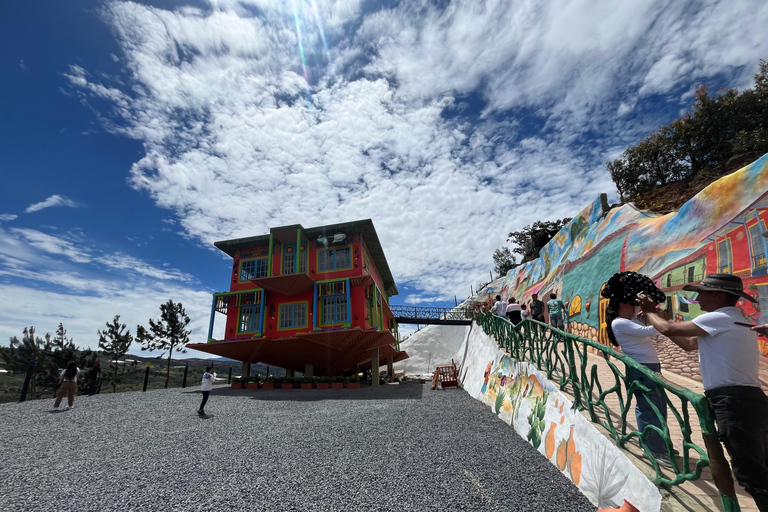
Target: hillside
(673,195)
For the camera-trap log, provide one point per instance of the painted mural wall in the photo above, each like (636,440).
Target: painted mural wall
(719,230)
(523,398)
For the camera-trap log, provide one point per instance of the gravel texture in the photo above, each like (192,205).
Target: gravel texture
(400,447)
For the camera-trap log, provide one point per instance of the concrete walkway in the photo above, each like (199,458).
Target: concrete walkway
(699,495)
(399,448)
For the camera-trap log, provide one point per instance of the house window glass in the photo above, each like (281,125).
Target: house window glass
(250,269)
(334,259)
(691,276)
(293,315)
(756,241)
(333,301)
(724,253)
(249,318)
(289,260)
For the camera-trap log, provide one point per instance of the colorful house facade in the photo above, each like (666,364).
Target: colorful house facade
(314,300)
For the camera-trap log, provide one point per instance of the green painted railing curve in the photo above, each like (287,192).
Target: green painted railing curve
(562,357)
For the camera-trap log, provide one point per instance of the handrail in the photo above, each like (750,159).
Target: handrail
(431,313)
(563,358)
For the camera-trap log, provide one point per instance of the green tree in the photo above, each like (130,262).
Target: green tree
(704,140)
(167,333)
(114,344)
(533,237)
(503,261)
(63,350)
(30,348)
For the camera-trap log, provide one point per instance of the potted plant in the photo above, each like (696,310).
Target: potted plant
(268,383)
(237,383)
(323,383)
(253,382)
(353,382)
(338,382)
(285,382)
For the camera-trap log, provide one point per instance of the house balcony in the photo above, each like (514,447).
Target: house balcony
(286,284)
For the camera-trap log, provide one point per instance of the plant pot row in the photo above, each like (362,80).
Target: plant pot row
(304,385)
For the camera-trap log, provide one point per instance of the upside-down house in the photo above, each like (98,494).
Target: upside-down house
(313,300)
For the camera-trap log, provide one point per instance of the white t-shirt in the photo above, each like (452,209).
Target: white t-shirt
(728,353)
(500,308)
(64,376)
(635,339)
(513,307)
(208,380)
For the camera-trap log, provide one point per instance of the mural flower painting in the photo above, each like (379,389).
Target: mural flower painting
(603,478)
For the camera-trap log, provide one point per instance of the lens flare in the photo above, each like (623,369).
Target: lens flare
(301,50)
(320,28)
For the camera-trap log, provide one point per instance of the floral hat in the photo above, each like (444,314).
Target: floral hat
(626,286)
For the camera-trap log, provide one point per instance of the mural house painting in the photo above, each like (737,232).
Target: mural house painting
(313,300)
(724,228)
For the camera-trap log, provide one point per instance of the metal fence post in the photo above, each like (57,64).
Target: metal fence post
(184,382)
(25,387)
(146,377)
(229,379)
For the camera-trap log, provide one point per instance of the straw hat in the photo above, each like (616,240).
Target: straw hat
(727,283)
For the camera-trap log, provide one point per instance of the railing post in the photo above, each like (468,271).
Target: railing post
(25,387)
(229,379)
(146,377)
(184,381)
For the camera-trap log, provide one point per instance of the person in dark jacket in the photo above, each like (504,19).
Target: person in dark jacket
(93,374)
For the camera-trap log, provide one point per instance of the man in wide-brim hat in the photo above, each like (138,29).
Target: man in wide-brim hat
(729,362)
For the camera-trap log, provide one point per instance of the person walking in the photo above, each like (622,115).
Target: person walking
(68,381)
(636,341)
(94,377)
(537,308)
(729,363)
(206,386)
(556,311)
(514,311)
(500,307)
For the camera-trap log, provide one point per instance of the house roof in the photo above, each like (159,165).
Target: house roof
(364,227)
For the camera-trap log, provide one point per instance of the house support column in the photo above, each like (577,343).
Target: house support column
(289,373)
(309,371)
(390,368)
(246,370)
(375,367)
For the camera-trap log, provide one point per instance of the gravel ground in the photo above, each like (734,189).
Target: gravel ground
(392,448)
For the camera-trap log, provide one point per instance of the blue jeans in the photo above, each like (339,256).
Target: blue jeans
(556,321)
(644,413)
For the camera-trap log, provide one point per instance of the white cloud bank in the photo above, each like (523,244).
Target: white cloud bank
(233,145)
(46,279)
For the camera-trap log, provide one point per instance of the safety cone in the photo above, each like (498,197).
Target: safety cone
(626,507)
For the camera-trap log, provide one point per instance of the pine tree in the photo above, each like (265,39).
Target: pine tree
(114,343)
(29,348)
(63,350)
(169,332)
(503,261)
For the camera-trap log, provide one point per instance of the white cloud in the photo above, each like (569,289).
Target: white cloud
(53,244)
(233,147)
(7,217)
(54,200)
(47,279)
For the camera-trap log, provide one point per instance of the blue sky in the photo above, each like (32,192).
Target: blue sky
(135,134)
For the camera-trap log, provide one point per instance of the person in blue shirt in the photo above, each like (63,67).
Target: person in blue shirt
(556,311)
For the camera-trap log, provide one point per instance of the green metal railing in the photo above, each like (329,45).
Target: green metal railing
(562,357)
